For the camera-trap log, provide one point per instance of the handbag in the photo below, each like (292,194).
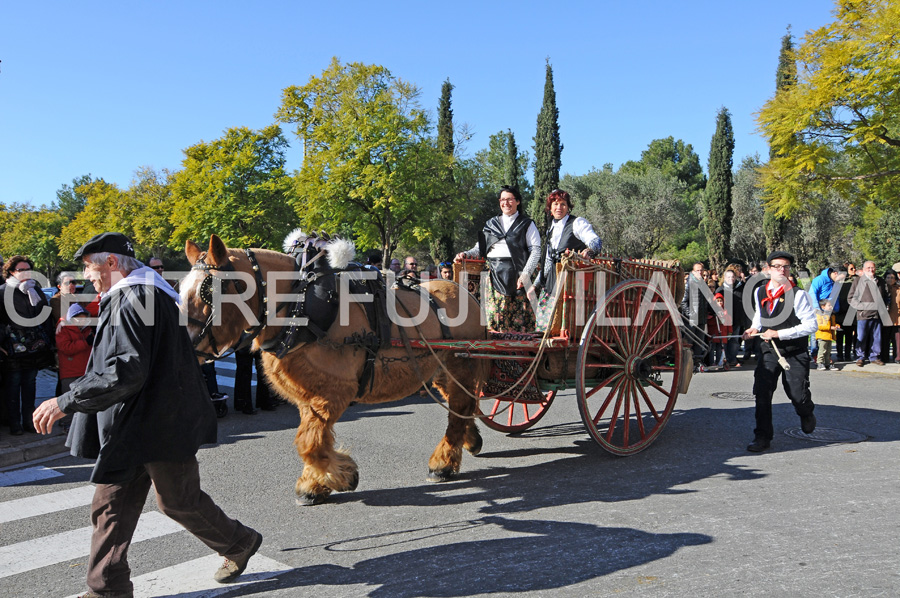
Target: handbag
(26,342)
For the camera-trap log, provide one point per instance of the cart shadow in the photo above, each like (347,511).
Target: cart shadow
(697,444)
(568,553)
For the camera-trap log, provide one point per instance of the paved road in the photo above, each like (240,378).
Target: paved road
(546,513)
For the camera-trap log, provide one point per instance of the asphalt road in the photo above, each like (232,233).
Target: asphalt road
(545,513)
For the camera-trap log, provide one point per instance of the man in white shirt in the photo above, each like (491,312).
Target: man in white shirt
(784,316)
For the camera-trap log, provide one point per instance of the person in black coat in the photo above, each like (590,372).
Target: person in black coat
(27,340)
(142,411)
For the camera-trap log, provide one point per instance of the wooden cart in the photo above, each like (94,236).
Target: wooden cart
(614,337)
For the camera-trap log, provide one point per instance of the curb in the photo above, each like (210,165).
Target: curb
(31,451)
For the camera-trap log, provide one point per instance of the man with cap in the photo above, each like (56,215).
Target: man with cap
(783,318)
(142,411)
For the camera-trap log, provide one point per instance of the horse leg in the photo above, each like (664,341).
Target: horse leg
(447,456)
(325,468)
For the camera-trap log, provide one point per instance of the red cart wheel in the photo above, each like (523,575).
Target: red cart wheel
(505,412)
(629,367)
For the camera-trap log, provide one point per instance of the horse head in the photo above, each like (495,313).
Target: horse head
(219,296)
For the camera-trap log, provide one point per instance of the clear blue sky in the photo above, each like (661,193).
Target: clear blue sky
(107,87)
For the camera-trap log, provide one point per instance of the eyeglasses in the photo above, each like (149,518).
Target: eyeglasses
(782,267)
(25,269)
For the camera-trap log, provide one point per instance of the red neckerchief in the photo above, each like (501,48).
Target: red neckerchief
(771,297)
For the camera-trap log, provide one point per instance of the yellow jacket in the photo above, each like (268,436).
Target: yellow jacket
(825,333)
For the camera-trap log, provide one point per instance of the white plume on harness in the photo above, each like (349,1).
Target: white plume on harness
(339,251)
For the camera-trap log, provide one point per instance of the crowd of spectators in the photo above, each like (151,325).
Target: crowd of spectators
(859,314)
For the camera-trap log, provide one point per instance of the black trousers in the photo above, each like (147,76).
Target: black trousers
(243,398)
(765,381)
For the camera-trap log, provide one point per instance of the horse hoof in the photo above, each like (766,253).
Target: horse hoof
(440,475)
(354,482)
(308,500)
(475,448)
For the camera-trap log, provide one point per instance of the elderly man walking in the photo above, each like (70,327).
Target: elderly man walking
(142,411)
(867,297)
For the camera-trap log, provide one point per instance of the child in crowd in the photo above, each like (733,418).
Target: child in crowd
(73,343)
(717,330)
(825,334)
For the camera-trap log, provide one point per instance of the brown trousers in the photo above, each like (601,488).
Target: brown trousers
(116,508)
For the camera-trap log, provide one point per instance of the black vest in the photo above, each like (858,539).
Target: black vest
(567,240)
(779,321)
(504,275)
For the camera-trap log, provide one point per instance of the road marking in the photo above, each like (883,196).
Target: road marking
(66,546)
(193,579)
(22,508)
(29,474)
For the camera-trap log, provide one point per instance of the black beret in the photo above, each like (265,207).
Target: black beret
(106,242)
(783,255)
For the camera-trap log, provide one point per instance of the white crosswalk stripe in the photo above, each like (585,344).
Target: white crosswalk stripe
(65,546)
(191,579)
(23,508)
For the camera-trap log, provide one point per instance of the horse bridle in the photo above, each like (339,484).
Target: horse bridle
(205,292)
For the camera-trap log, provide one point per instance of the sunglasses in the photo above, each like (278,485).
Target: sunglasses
(26,269)
(157,268)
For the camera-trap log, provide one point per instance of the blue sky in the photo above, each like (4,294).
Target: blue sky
(107,87)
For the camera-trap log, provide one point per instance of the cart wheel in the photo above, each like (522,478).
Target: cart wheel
(511,415)
(629,366)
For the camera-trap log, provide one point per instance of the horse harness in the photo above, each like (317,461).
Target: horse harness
(312,314)
(205,292)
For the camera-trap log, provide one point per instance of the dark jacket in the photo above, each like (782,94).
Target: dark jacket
(694,305)
(739,319)
(142,398)
(866,295)
(8,326)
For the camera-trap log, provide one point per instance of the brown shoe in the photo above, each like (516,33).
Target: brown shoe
(859,362)
(232,569)
(878,362)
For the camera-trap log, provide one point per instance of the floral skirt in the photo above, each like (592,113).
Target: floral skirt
(508,314)
(544,312)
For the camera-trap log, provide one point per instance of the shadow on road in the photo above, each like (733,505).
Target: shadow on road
(568,553)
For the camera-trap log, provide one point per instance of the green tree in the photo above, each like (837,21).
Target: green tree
(674,158)
(718,192)
(845,102)
(884,239)
(443,245)
(235,187)
(785,78)
(68,201)
(547,149)
(368,159)
(512,161)
(107,208)
(33,232)
(635,213)
(151,192)
(747,240)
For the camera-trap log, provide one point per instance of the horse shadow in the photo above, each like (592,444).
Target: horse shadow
(568,553)
(697,444)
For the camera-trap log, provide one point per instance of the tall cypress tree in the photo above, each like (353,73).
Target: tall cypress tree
(444,248)
(547,149)
(512,162)
(718,191)
(785,78)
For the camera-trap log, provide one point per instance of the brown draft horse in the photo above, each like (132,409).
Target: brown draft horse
(322,378)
